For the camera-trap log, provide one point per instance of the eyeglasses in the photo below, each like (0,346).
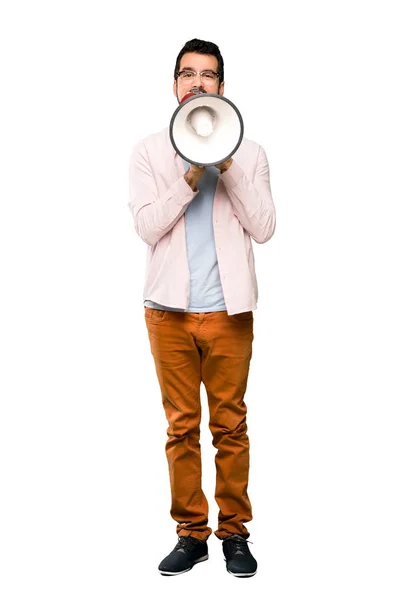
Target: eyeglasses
(205,76)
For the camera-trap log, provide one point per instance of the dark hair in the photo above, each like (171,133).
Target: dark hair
(201,47)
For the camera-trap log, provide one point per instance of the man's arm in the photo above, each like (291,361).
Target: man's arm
(153,219)
(252,201)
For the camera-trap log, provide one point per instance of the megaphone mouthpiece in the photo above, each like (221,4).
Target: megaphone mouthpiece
(193,92)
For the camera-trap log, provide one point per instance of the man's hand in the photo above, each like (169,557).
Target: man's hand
(193,175)
(225,165)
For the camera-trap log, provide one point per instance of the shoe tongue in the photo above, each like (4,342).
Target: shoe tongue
(238,537)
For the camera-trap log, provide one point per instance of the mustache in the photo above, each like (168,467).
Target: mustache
(198,90)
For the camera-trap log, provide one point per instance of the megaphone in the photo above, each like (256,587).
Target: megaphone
(206,129)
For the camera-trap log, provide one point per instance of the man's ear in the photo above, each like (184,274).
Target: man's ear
(174,88)
(221,89)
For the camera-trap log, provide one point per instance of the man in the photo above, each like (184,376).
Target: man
(199,294)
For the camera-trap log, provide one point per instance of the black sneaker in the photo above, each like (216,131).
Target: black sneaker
(239,560)
(184,556)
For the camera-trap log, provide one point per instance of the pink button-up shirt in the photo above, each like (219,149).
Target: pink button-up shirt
(243,209)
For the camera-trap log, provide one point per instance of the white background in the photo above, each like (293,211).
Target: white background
(85,493)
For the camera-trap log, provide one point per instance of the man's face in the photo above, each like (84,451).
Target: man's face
(197,63)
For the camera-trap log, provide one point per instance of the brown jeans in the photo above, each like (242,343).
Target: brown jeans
(215,348)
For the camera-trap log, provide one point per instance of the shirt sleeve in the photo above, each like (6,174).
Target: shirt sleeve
(154,215)
(252,200)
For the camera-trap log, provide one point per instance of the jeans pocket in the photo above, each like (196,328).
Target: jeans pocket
(244,317)
(155,315)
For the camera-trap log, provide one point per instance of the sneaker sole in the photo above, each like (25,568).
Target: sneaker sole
(242,574)
(203,558)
